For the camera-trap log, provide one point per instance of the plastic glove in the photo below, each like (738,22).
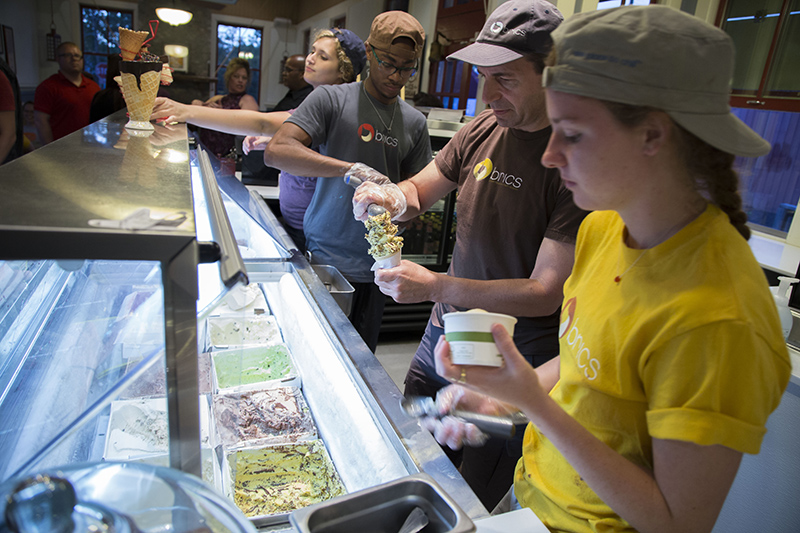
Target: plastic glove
(454,432)
(388,195)
(365,173)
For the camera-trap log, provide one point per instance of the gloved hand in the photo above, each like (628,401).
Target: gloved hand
(388,195)
(365,173)
(453,431)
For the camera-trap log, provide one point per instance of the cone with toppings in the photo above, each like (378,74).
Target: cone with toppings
(130,42)
(384,243)
(140,76)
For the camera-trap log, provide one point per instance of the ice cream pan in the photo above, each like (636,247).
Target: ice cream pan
(496,426)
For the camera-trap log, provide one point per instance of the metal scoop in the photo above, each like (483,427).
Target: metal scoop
(373,210)
(416,520)
(496,426)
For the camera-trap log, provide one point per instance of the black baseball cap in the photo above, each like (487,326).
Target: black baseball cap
(515,28)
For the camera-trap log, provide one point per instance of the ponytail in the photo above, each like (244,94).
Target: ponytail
(711,169)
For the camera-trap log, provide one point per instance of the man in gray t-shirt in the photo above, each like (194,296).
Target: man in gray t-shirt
(517,223)
(358,122)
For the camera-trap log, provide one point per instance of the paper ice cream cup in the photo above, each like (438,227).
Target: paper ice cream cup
(470,336)
(389,261)
(140,81)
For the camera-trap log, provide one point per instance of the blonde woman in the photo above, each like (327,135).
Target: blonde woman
(336,56)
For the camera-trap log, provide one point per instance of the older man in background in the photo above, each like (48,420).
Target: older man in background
(63,101)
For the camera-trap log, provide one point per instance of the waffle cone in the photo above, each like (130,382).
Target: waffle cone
(140,102)
(130,42)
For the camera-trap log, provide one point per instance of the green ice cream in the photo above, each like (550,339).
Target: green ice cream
(280,479)
(382,237)
(244,366)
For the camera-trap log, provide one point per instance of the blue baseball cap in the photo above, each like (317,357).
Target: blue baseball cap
(353,48)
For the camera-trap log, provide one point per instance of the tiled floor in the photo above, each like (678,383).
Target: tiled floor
(395,351)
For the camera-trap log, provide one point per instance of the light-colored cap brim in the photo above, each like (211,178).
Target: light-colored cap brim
(725,132)
(485,55)
(710,118)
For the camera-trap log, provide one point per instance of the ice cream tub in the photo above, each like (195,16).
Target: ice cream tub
(470,336)
(270,482)
(209,467)
(255,418)
(253,368)
(140,428)
(231,331)
(243,301)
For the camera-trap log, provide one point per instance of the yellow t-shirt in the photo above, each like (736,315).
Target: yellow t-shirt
(687,346)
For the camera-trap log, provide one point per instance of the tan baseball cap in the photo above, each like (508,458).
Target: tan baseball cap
(389,26)
(655,56)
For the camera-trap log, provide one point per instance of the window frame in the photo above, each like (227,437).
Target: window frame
(266,69)
(220,68)
(116,9)
(759,100)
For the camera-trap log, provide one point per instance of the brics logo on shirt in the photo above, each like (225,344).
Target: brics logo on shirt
(485,169)
(367,133)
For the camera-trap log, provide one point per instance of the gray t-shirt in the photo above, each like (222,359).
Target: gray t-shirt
(343,124)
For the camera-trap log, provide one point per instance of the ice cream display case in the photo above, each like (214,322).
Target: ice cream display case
(132,337)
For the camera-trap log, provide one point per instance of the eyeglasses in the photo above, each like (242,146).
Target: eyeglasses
(73,56)
(388,69)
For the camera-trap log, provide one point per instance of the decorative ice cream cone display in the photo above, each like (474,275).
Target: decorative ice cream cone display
(141,74)
(130,42)
(384,243)
(140,81)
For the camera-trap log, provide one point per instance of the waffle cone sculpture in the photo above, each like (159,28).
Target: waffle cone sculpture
(130,42)
(140,81)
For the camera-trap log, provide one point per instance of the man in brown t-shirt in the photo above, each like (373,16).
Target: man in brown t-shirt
(517,223)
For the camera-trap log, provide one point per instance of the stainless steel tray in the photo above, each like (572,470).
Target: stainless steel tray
(384,508)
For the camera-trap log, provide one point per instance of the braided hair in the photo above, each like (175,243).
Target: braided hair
(711,169)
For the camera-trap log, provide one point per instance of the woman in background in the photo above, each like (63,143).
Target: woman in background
(671,350)
(237,79)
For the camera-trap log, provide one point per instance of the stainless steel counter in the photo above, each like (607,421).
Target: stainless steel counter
(103,172)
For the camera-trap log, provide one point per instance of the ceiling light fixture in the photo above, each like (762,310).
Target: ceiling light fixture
(174,17)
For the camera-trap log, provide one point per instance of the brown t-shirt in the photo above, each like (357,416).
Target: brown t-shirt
(507,204)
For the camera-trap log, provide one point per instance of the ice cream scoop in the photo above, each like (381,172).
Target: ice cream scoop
(373,209)
(496,426)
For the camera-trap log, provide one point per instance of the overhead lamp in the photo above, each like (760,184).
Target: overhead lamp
(176,50)
(174,17)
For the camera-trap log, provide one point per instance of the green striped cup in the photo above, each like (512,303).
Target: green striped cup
(470,337)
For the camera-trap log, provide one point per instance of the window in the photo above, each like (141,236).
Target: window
(766,96)
(771,184)
(239,41)
(455,83)
(766,34)
(100,37)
